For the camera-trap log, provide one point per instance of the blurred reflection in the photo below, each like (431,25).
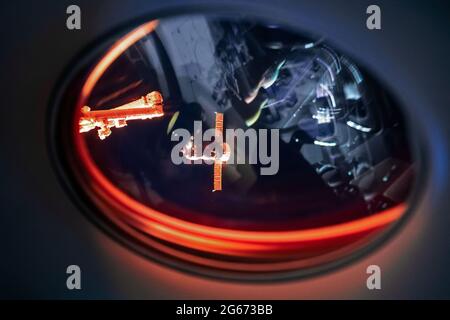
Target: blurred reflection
(344,153)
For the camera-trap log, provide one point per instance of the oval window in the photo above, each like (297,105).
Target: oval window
(236,145)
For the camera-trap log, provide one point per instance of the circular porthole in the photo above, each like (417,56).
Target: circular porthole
(234,146)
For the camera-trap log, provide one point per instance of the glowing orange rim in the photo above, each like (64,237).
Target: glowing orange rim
(230,242)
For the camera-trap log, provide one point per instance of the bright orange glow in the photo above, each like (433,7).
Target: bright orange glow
(117,49)
(284,249)
(218,163)
(147,107)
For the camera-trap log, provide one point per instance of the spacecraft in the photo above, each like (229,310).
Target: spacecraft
(190,152)
(147,107)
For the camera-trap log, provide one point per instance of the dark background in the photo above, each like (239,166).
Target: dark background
(42,231)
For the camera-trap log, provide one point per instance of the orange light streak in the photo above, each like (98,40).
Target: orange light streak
(116,50)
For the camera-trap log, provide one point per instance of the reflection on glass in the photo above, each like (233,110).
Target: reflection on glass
(345,167)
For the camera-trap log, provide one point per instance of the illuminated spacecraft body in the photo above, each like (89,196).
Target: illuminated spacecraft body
(219,157)
(147,107)
(190,152)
